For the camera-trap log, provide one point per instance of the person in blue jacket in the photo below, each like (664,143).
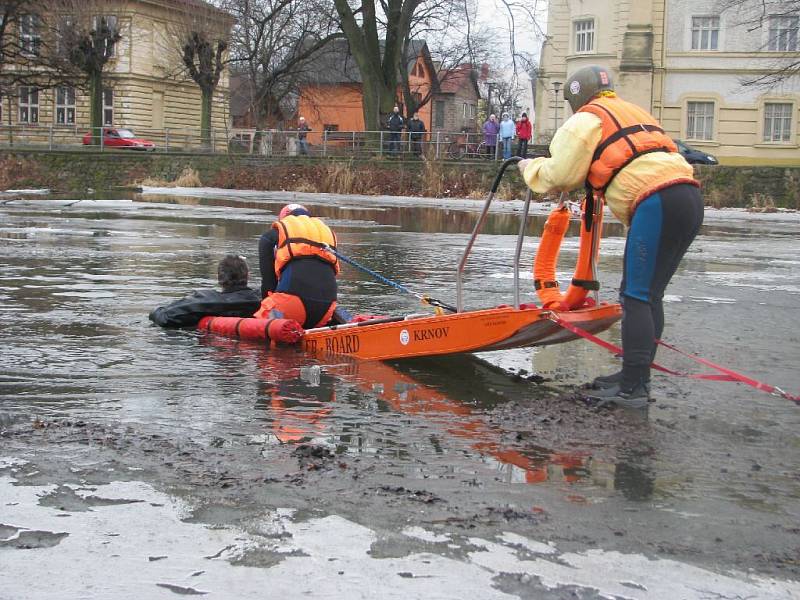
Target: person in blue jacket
(507,130)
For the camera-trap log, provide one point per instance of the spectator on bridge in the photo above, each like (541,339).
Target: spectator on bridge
(523,135)
(490,130)
(395,125)
(302,133)
(416,131)
(507,130)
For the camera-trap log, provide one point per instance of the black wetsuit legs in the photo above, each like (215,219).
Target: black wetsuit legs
(661,231)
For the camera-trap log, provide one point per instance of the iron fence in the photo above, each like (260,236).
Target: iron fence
(269,143)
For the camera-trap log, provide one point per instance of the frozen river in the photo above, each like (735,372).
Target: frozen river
(142,463)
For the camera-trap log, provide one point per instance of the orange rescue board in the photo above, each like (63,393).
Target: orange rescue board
(473,331)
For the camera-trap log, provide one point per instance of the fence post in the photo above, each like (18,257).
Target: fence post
(438,133)
(354,143)
(50,137)
(166,140)
(213,142)
(102,139)
(380,148)
(325,143)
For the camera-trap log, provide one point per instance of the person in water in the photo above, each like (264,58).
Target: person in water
(619,152)
(235,299)
(298,269)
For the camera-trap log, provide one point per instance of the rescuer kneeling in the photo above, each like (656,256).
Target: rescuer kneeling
(621,153)
(298,269)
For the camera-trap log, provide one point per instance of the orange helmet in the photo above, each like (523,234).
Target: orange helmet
(293,209)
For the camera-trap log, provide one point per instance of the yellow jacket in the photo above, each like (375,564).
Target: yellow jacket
(571,153)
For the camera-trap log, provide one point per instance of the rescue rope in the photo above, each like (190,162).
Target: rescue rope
(425,299)
(724,374)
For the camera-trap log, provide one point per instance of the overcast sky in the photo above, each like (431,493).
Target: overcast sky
(528,35)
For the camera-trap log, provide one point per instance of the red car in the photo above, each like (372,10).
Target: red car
(121,138)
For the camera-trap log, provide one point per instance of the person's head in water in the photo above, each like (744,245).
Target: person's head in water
(232,272)
(295,210)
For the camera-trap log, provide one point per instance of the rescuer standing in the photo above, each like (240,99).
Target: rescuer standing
(619,152)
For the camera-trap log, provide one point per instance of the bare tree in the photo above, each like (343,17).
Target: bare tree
(87,37)
(57,43)
(27,49)
(376,34)
(454,41)
(781,18)
(199,34)
(507,95)
(273,43)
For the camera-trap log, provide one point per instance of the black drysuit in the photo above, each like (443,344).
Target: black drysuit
(186,312)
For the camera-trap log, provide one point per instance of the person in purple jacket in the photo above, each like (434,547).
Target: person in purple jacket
(490,130)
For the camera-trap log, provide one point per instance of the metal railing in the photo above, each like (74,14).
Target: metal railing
(268,143)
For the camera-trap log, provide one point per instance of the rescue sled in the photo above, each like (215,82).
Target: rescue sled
(503,327)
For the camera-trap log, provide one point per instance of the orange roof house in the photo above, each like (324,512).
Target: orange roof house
(331,96)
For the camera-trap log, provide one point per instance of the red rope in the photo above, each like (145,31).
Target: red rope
(724,374)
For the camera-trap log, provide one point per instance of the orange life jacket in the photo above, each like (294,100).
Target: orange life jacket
(301,237)
(629,131)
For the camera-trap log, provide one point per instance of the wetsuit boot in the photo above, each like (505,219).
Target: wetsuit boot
(631,391)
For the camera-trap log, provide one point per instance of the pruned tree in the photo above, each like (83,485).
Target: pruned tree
(200,35)
(507,95)
(77,41)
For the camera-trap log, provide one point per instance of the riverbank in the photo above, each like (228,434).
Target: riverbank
(760,188)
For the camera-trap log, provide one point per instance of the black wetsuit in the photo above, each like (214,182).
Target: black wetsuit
(311,279)
(236,302)
(662,227)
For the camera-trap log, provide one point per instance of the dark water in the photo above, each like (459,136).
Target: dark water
(77,280)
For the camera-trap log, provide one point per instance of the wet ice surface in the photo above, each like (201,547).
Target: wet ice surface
(325,557)
(460,480)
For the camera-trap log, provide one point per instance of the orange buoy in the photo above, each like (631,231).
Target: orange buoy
(544,267)
(285,331)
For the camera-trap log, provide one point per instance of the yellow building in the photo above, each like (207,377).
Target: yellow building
(143,86)
(689,63)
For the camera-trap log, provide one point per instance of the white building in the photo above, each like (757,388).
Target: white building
(690,63)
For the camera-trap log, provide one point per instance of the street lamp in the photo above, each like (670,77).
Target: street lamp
(556,88)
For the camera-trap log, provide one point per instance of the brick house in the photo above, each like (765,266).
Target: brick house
(455,105)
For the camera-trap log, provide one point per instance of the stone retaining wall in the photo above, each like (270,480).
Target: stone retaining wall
(75,171)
